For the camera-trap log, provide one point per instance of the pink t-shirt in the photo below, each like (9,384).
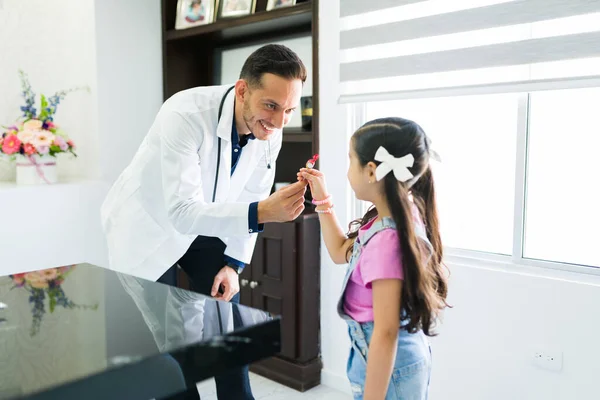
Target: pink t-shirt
(379,259)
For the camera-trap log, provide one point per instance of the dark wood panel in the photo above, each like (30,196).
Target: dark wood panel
(274,272)
(169,14)
(292,135)
(187,66)
(308,278)
(245,290)
(300,138)
(296,131)
(274,257)
(273,306)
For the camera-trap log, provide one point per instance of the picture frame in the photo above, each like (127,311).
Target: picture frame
(191,13)
(236,8)
(275,4)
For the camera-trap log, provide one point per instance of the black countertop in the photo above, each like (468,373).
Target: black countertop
(87,332)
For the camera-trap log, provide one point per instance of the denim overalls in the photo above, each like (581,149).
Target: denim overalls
(412,368)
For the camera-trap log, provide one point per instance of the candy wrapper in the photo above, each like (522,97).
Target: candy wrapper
(311,163)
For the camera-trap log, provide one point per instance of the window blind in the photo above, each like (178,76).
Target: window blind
(414,47)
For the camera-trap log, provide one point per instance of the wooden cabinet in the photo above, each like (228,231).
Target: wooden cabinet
(283,279)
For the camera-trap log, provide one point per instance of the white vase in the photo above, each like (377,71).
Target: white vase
(36,170)
(7,169)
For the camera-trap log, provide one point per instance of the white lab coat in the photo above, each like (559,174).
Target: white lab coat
(163,199)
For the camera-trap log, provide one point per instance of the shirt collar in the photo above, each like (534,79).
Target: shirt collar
(235,137)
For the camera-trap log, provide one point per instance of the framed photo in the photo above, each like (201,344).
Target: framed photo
(192,13)
(273,4)
(236,8)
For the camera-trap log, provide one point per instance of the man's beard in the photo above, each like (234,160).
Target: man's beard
(247,116)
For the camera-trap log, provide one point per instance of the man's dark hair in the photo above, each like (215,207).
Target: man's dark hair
(272,59)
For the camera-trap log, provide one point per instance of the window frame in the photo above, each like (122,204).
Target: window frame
(516,262)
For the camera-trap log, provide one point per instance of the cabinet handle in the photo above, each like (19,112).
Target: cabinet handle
(253,284)
(244,282)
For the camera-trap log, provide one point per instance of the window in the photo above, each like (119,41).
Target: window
(476,139)
(509,96)
(563,195)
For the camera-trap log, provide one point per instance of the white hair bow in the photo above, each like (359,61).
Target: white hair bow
(390,163)
(432,153)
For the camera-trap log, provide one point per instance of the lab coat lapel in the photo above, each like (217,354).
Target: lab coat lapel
(224,133)
(226,121)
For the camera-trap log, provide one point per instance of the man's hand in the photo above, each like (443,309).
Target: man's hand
(283,205)
(229,279)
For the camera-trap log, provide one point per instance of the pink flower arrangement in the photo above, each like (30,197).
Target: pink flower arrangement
(35,137)
(36,133)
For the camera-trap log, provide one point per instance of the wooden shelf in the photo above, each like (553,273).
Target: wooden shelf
(292,19)
(297,135)
(192,58)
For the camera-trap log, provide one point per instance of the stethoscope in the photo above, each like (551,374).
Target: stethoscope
(267,150)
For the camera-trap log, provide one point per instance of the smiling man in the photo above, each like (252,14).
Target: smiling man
(198,189)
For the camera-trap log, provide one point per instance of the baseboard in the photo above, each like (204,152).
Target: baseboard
(335,381)
(300,377)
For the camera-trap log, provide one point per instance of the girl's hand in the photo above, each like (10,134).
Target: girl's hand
(316,181)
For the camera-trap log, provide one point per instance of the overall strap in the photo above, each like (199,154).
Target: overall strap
(378,226)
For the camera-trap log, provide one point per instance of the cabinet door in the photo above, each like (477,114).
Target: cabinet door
(245,291)
(273,282)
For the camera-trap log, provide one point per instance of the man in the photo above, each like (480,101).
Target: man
(197,191)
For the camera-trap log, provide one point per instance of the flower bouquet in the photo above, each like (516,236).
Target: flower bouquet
(44,283)
(35,140)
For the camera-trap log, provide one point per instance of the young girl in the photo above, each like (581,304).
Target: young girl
(394,287)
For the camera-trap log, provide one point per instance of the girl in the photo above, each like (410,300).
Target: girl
(394,287)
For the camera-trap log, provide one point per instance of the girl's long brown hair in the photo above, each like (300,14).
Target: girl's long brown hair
(425,286)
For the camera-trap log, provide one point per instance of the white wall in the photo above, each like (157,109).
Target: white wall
(233,59)
(115,48)
(53,42)
(500,317)
(129,64)
(333,159)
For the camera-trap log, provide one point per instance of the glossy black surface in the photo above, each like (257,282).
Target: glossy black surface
(87,332)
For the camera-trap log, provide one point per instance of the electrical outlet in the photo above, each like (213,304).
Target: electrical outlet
(550,360)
